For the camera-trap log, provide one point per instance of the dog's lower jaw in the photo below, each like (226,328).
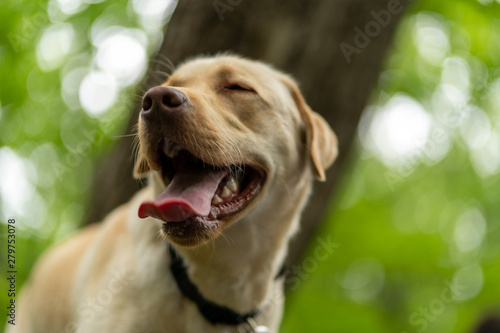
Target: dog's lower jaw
(198,230)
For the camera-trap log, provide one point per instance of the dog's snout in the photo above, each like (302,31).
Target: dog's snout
(163,99)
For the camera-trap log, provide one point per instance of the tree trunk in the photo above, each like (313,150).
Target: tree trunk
(334,48)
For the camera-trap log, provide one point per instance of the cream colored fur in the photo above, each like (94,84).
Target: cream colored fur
(114,277)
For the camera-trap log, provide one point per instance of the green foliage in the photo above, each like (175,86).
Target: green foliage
(406,230)
(49,141)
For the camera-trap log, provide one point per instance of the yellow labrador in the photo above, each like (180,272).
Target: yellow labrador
(230,149)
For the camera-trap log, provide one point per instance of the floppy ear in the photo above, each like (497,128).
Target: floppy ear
(141,167)
(321,141)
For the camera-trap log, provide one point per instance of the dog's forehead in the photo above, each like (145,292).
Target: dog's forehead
(224,68)
(212,72)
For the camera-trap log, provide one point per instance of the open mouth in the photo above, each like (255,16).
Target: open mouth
(198,192)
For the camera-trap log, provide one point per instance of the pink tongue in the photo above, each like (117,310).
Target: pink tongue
(189,193)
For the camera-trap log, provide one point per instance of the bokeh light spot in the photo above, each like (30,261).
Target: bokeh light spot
(468,282)
(98,92)
(363,280)
(153,13)
(16,190)
(71,7)
(55,44)
(123,56)
(431,38)
(399,131)
(470,229)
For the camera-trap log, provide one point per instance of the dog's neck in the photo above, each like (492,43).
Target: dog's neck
(236,271)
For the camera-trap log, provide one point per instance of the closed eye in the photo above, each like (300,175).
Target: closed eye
(236,87)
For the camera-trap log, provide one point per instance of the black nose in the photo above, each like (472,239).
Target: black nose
(164,100)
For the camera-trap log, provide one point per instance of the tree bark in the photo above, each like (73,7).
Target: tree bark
(303,38)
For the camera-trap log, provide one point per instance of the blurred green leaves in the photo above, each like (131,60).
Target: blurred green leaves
(68,69)
(418,206)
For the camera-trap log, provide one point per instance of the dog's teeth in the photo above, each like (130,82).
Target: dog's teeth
(232,184)
(216,199)
(225,192)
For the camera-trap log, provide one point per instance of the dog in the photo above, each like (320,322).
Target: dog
(230,150)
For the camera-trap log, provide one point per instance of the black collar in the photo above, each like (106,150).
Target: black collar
(216,314)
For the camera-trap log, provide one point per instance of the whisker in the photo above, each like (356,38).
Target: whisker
(124,136)
(228,239)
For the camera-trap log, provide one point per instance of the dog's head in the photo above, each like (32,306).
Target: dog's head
(217,137)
